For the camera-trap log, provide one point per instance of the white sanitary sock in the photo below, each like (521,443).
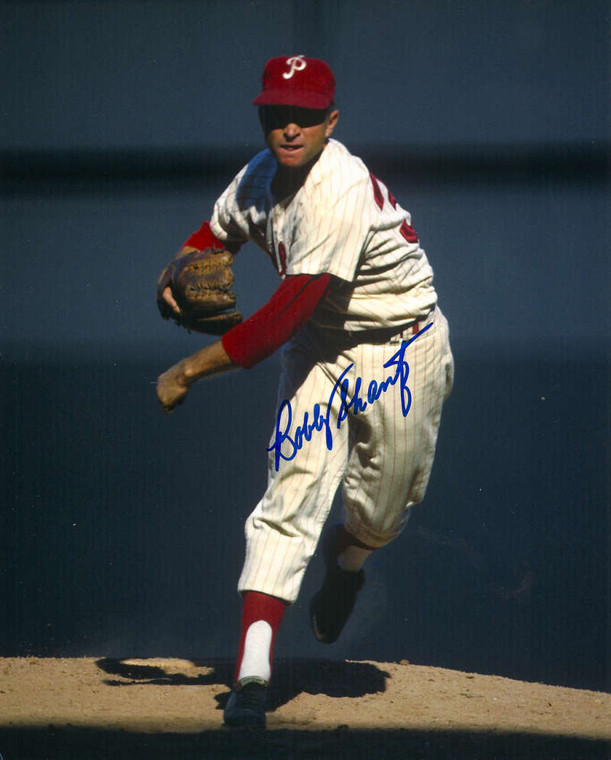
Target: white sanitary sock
(255,660)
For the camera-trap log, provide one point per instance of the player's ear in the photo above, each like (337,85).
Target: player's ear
(331,122)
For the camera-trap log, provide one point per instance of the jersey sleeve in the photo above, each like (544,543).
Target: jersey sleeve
(272,325)
(204,238)
(239,214)
(227,223)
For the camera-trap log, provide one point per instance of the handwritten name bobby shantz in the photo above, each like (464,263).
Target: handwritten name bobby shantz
(317,421)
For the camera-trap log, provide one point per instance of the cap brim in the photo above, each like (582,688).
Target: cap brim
(299,98)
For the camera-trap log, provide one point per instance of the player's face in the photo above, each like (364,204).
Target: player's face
(296,135)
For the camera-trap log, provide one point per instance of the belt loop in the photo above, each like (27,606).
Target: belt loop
(415,328)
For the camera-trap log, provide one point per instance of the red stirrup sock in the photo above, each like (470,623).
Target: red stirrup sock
(261,618)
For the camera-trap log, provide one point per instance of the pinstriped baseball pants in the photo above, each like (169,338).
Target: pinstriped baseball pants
(380,455)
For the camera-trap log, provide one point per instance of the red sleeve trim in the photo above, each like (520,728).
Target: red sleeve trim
(273,324)
(204,238)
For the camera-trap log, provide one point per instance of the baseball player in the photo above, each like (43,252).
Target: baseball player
(366,363)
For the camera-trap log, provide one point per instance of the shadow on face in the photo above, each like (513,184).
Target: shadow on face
(277,117)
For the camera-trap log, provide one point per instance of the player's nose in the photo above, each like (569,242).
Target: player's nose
(291,130)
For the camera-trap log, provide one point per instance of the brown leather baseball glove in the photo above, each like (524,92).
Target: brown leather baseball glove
(201,284)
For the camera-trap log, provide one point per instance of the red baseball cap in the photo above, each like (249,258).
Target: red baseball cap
(296,81)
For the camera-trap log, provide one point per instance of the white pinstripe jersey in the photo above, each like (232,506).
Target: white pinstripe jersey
(343,221)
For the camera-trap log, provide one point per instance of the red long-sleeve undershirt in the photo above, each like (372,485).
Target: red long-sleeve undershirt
(272,325)
(204,238)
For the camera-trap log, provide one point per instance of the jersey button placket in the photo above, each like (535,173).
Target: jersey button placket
(277,224)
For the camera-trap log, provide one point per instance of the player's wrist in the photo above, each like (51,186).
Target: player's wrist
(210,360)
(187,373)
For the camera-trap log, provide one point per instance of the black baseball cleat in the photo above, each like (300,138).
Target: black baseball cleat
(331,607)
(246,705)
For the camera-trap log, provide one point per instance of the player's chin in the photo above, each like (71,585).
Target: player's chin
(291,158)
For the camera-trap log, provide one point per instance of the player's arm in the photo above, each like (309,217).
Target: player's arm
(251,341)
(173,385)
(272,325)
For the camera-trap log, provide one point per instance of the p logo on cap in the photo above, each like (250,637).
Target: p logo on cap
(296,81)
(297,63)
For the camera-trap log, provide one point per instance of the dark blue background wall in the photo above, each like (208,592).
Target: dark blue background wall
(122,528)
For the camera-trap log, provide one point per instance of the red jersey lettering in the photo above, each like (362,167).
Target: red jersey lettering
(377,192)
(406,230)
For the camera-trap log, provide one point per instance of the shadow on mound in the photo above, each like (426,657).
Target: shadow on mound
(75,744)
(291,678)
(333,678)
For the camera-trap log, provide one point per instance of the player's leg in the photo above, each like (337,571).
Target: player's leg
(392,453)
(389,466)
(283,530)
(332,605)
(261,618)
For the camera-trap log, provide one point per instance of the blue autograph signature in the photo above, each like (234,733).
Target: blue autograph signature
(317,421)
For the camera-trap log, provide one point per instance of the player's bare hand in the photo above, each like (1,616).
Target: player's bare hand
(166,303)
(172,388)
(168,297)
